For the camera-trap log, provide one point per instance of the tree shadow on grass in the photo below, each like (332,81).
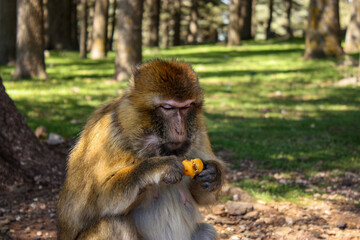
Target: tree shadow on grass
(58,116)
(213,57)
(331,141)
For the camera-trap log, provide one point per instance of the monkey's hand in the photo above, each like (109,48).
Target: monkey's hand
(174,171)
(210,178)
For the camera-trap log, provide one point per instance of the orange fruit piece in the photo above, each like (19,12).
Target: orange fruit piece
(193,167)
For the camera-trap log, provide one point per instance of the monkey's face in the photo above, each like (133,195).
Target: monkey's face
(168,97)
(175,125)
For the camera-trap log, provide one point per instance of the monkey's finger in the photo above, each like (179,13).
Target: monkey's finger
(209,171)
(208,177)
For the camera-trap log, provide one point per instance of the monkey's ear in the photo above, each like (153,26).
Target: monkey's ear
(134,76)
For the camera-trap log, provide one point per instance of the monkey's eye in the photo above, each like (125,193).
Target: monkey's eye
(167,107)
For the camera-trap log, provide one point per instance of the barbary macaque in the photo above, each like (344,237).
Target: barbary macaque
(125,179)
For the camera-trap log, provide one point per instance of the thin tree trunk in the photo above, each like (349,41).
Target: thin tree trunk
(193,24)
(253,19)
(129,46)
(166,18)
(288,7)
(7,31)
(177,22)
(268,28)
(30,60)
(154,22)
(234,33)
(352,39)
(98,47)
(323,31)
(23,158)
(74,26)
(112,26)
(83,29)
(59,29)
(246,16)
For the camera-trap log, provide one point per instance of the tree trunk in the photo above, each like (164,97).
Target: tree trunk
(154,22)
(165,27)
(112,27)
(29,40)
(177,22)
(59,29)
(288,6)
(129,47)
(90,20)
(323,31)
(246,16)
(268,28)
(99,35)
(253,18)
(74,25)
(23,158)
(193,24)
(352,39)
(7,31)
(234,33)
(83,29)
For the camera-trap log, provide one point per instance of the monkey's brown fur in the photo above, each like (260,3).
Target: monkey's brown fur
(120,184)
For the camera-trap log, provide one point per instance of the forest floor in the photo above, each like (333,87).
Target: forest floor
(329,214)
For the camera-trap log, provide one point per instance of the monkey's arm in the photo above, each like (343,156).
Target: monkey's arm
(120,191)
(205,186)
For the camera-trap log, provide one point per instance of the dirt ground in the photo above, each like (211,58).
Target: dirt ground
(32,215)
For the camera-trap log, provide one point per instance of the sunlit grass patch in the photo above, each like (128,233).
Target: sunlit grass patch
(269,190)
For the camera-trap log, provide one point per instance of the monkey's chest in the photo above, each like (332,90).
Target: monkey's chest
(167,212)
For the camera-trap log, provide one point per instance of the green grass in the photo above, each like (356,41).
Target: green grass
(263,101)
(270,190)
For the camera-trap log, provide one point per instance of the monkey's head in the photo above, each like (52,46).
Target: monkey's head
(169,99)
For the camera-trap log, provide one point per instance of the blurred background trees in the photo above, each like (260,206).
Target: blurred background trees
(352,40)
(99,32)
(323,30)
(98,26)
(7,31)
(30,60)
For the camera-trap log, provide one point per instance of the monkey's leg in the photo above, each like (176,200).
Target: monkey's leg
(204,231)
(116,227)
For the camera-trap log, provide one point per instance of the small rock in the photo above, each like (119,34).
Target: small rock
(289,220)
(38,233)
(235,237)
(265,220)
(75,90)
(238,208)
(230,230)
(251,215)
(4,222)
(55,139)
(74,121)
(341,225)
(42,206)
(224,234)
(218,209)
(239,195)
(223,221)
(88,98)
(283,231)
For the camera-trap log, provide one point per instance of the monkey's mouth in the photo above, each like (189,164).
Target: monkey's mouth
(175,148)
(174,145)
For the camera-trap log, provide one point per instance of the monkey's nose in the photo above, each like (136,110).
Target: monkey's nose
(179,131)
